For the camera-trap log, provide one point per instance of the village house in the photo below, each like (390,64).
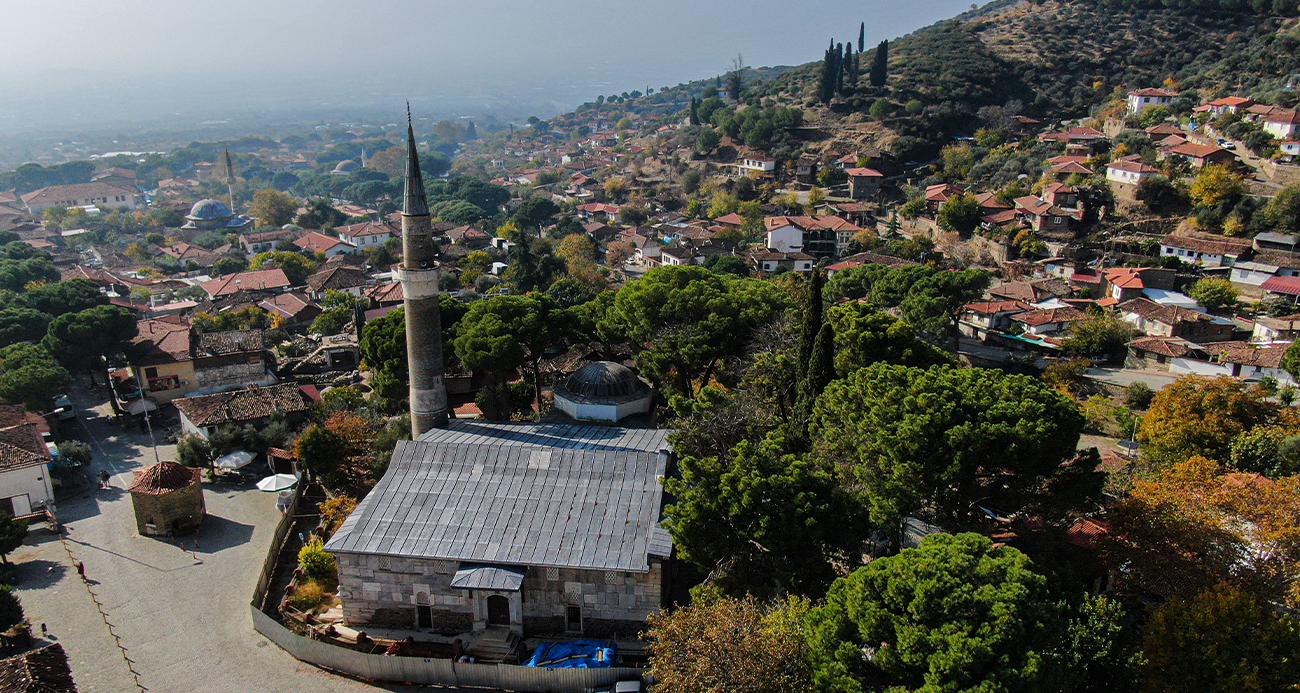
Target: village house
(469,236)
(864,182)
(1199,155)
(1048,321)
(348,280)
(1282,124)
(1156,320)
(1033,291)
(1203,251)
(272,279)
(1043,216)
(1130,172)
(487,545)
(1269,330)
(329,246)
(103,196)
(370,234)
(1228,104)
(1287,287)
(1120,284)
(1165,354)
(177,361)
(756,163)
(767,261)
(820,236)
(1142,99)
(25,484)
(1263,266)
(265,241)
(981,319)
(295,309)
(204,414)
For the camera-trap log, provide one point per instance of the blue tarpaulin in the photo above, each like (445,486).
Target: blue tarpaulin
(576,654)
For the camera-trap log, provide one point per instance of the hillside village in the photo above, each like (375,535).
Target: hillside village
(890,311)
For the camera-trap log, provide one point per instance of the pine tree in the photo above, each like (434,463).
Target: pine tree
(880,65)
(862,37)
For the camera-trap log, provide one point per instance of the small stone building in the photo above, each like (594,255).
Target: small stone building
(603,391)
(168,498)
(541,529)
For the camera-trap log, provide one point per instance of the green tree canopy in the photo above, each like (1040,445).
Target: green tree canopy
(84,339)
(31,376)
(1196,415)
(724,520)
(273,208)
(944,441)
(1283,212)
(1221,640)
(19,324)
(503,333)
(864,336)
(296,266)
(321,214)
(685,321)
(12,533)
(15,275)
(956,615)
(961,213)
(1097,335)
(1215,293)
(72,296)
(383,348)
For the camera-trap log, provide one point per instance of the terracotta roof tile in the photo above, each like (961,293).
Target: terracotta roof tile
(164,476)
(241,405)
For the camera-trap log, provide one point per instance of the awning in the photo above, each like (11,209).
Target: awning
(140,406)
(235,460)
(488,577)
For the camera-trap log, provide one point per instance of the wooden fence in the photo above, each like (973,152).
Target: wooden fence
(413,670)
(440,672)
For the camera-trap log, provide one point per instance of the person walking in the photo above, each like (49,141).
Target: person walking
(103,479)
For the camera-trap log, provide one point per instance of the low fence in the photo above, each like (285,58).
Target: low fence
(413,670)
(441,672)
(273,554)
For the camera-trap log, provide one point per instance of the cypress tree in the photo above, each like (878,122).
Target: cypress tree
(850,67)
(839,68)
(695,111)
(813,318)
(862,37)
(880,66)
(826,83)
(821,367)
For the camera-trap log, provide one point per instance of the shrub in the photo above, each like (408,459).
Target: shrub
(335,510)
(316,562)
(11,609)
(75,452)
(1138,395)
(308,596)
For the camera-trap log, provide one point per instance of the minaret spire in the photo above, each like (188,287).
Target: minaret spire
(419,274)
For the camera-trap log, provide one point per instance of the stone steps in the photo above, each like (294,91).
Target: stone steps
(494,645)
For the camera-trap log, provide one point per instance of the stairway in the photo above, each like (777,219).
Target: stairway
(495,644)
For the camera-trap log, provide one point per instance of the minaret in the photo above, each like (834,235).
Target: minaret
(419,276)
(229,165)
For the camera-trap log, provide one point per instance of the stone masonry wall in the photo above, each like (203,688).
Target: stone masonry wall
(382,591)
(229,371)
(184,507)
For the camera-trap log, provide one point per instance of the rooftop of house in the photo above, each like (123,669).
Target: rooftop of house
(229,342)
(1132,166)
(1167,314)
(242,405)
(76,191)
(162,341)
(1247,354)
(287,305)
(1031,291)
(1045,316)
(1282,285)
(273,278)
(1210,246)
(1154,92)
(338,278)
(42,670)
(811,223)
(1196,151)
(994,307)
(1173,347)
(317,241)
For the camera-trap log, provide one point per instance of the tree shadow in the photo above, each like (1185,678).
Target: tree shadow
(38,574)
(217,534)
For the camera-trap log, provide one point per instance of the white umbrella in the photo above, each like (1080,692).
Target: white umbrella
(235,460)
(278,482)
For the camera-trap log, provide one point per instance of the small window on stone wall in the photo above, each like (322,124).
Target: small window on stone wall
(552,573)
(442,567)
(385,563)
(421,598)
(611,577)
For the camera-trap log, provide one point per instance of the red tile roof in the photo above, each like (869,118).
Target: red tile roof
(273,278)
(866,172)
(163,477)
(1282,285)
(241,405)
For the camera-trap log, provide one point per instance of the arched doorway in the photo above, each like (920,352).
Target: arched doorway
(498,610)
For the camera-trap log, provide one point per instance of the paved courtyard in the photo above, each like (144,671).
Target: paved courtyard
(181,615)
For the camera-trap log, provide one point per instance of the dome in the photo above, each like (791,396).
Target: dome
(209,210)
(603,379)
(345,166)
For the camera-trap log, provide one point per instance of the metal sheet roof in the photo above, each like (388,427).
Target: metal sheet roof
(488,577)
(563,436)
(517,501)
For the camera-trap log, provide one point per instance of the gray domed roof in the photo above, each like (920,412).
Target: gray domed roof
(345,165)
(208,210)
(603,379)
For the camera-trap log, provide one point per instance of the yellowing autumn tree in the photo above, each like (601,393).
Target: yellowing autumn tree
(1197,415)
(1193,527)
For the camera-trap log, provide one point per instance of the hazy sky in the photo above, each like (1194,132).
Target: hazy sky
(450,45)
